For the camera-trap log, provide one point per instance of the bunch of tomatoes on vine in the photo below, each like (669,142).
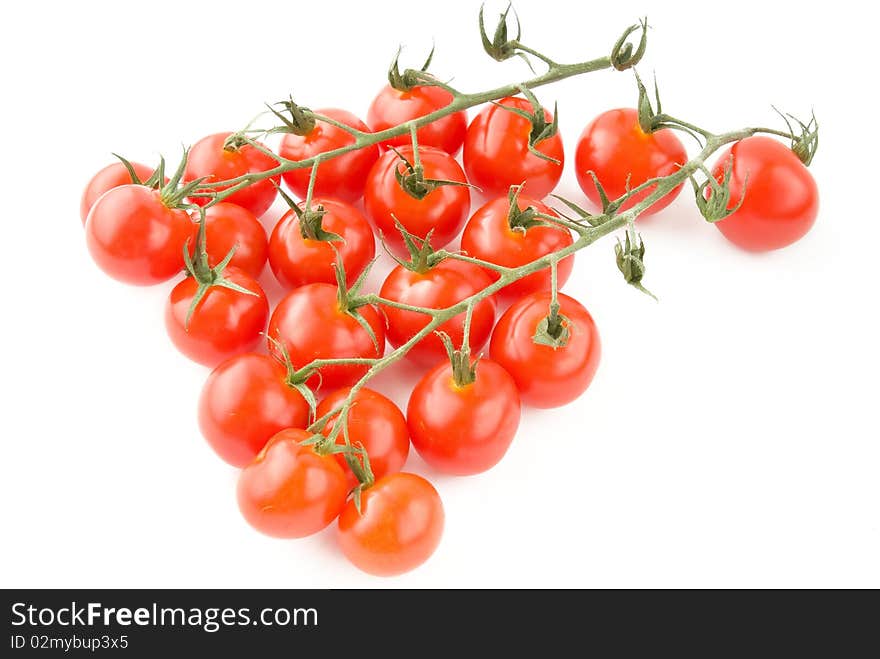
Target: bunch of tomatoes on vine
(287,399)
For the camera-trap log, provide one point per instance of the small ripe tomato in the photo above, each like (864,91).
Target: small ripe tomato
(374,422)
(228,226)
(496,235)
(496,152)
(392,107)
(397,529)
(245,401)
(289,490)
(463,429)
(547,375)
(225,322)
(781,198)
(311,325)
(135,238)
(207,157)
(112,176)
(297,260)
(618,151)
(342,177)
(443,210)
(448,282)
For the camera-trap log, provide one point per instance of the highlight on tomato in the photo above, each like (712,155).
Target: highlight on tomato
(398,526)
(291,489)
(774,198)
(509,231)
(111,176)
(375,423)
(622,156)
(226,156)
(342,177)
(551,355)
(424,193)
(514,142)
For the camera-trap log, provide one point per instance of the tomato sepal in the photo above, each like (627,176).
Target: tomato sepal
(540,129)
(623,55)
(630,261)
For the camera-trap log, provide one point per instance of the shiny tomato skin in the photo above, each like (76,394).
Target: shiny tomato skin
(392,107)
(377,424)
(496,152)
(342,177)
(228,225)
(463,430)
(397,529)
(244,402)
(111,176)
(207,157)
(297,261)
(225,322)
(450,281)
(288,490)
(547,376)
(489,237)
(309,322)
(135,238)
(615,147)
(782,200)
(445,209)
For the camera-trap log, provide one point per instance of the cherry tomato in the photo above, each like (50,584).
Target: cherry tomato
(245,401)
(489,236)
(135,238)
(617,150)
(496,152)
(311,325)
(289,491)
(392,107)
(225,322)
(466,429)
(228,226)
(445,209)
(342,177)
(297,261)
(112,176)
(547,376)
(377,424)
(207,157)
(448,282)
(398,527)
(781,198)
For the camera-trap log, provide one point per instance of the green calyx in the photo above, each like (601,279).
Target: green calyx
(631,261)
(540,128)
(464,371)
(422,256)
(410,78)
(207,277)
(310,220)
(296,379)
(805,142)
(553,330)
(521,219)
(171,193)
(713,197)
(295,119)
(349,298)
(412,179)
(156,179)
(623,54)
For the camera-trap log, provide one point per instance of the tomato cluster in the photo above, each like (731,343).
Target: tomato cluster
(305,464)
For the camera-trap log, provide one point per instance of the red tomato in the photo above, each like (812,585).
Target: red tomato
(489,236)
(615,148)
(447,283)
(547,376)
(781,202)
(310,324)
(225,322)
(466,429)
(397,529)
(228,226)
(135,238)
(245,401)
(342,177)
(112,176)
(289,491)
(496,152)
(392,107)
(297,261)
(445,209)
(377,424)
(208,158)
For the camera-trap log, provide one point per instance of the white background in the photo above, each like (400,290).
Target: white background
(729,438)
